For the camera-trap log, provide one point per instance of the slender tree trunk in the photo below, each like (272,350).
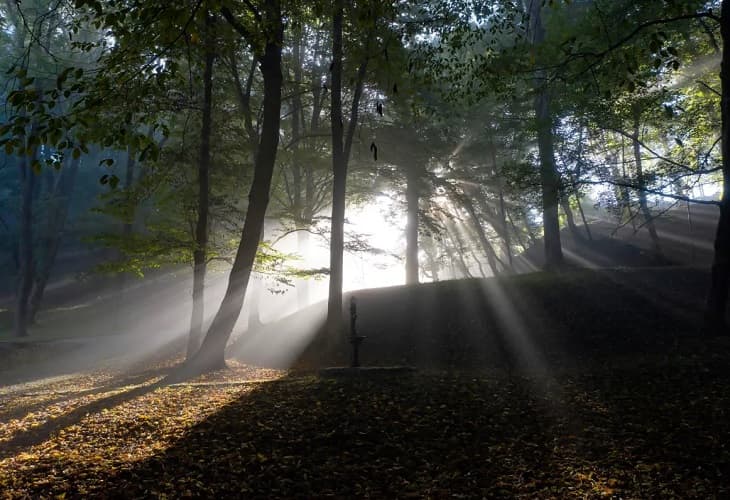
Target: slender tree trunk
(28,179)
(128,181)
(25,245)
(452,267)
(303,284)
(412,196)
(430,248)
(301,176)
(483,240)
(528,227)
(565,204)
(625,196)
(505,228)
(211,354)
(200,254)
(340,156)
(502,229)
(339,171)
(58,213)
(128,221)
(460,250)
(520,241)
(715,322)
(548,172)
(254,303)
(583,218)
(641,181)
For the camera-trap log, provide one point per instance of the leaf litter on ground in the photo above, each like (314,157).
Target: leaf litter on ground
(651,430)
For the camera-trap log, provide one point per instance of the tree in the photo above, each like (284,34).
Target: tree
(548,173)
(201,228)
(341,147)
(718,293)
(268,52)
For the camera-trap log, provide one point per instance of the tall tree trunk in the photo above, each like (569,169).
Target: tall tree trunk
(303,284)
(565,205)
(412,196)
(128,181)
(340,156)
(548,173)
(528,227)
(718,294)
(505,228)
(625,195)
(211,354)
(583,217)
(339,171)
(483,240)
(502,229)
(200,254)
(301,176)
(430,248)
(57,215)
(641,181)
(25,245)
(517,231)
(459,248)
(256,288)
(128,222)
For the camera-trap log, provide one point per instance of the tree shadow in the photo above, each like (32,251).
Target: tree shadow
(438,436)
(303,438)
(652,430)
(112,384)
(36,435)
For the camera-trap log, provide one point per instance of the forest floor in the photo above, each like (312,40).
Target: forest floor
(657,428)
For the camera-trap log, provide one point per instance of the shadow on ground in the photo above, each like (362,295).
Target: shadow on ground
(639,434)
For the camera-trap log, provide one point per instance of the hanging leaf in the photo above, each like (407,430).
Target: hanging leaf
(113,181)
(374,150)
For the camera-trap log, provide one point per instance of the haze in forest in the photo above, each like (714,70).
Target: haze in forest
(181,177)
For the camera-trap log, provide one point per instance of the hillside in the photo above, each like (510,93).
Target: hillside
(525,320)
(686,236)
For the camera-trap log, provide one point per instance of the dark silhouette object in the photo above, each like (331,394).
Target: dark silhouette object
(355,339)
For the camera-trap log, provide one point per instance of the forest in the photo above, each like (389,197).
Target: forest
(364,248)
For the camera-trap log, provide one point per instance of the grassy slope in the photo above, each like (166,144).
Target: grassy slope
(573,316)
